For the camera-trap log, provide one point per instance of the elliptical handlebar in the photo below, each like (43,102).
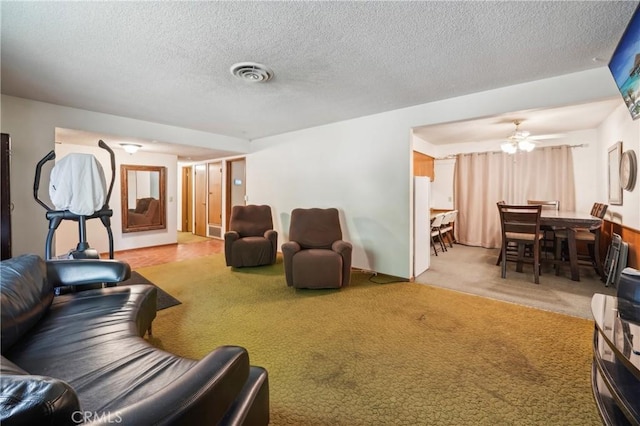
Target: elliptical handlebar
(36,183)
(52,155)
(106,147)
(55,217)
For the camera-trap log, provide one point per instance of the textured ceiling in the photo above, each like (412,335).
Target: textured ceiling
(168,62)
(543,124)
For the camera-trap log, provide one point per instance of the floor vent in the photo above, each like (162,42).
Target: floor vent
(215,231)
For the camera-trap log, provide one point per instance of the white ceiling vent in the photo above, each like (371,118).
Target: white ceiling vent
(251,71)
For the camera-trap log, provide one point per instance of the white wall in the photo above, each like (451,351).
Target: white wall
(589,165)
(360,167)
(442,185)
(586,166)
(32,124)
(619,127)
(67,233)
(363,166)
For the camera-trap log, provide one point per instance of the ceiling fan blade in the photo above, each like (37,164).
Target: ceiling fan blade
(548,136)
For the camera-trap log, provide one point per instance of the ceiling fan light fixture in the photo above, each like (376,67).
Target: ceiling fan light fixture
(509,147)
(130,148)
(526,145)
(519,140)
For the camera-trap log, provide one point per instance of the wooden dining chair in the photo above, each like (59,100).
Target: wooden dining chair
(520,225)
(548,243)
(511,247)
(590,237)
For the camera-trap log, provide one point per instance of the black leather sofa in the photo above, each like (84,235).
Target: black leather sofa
(81,358)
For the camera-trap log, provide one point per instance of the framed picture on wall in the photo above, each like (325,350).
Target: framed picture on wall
(615,190)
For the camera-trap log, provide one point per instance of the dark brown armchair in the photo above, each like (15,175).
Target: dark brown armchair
(316,256)
(149,214)
(251,239)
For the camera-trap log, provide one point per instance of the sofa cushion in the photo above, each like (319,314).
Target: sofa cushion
(317,268)
(251,220)
(315,228)
(8,367)
(251,251)
(37,400)
(90,340)
(25,296)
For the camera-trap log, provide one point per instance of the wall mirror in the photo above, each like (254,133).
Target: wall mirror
(143,198)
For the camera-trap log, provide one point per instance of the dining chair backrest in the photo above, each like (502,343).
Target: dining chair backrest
(546,205)
(437,221)
(449,217)
(520,219)
(598,210)
(520,226)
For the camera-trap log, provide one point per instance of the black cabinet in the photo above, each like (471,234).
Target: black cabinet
(616,363)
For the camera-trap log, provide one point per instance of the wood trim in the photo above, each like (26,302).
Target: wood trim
(629,235)
(127,224)
(214,175)
(187,200)
(423,165)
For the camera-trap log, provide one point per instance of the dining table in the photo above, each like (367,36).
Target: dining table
(571,221)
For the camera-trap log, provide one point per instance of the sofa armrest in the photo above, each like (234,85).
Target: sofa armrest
(344,249)
(288,250)
(230,237)
(272,236)
(31,400)
(86,271)
(206,391)
(629,294)
(251,407)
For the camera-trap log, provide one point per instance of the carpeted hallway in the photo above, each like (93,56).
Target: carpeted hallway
(397,353)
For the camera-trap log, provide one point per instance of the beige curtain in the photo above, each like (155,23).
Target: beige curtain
(483,179)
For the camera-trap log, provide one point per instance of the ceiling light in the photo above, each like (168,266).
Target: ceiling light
(509,147)
(251,72)
(526,145)
(131,148)
(519,140)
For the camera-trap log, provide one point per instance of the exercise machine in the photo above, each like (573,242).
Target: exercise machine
(94,190)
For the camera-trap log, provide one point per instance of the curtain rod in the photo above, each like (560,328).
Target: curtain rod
(453,156)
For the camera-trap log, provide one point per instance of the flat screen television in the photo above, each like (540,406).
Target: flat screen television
(625,65)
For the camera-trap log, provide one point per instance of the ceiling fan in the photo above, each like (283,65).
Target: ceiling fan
(521,140)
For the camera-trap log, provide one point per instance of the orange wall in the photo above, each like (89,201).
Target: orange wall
(423,165)
(629,235)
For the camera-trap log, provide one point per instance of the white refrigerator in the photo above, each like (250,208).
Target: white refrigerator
(421,224)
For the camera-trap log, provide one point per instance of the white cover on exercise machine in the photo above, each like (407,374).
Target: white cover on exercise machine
(77,184)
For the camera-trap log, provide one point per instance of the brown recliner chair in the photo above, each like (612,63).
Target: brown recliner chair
(316,256)
(251,239)
(149,216)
